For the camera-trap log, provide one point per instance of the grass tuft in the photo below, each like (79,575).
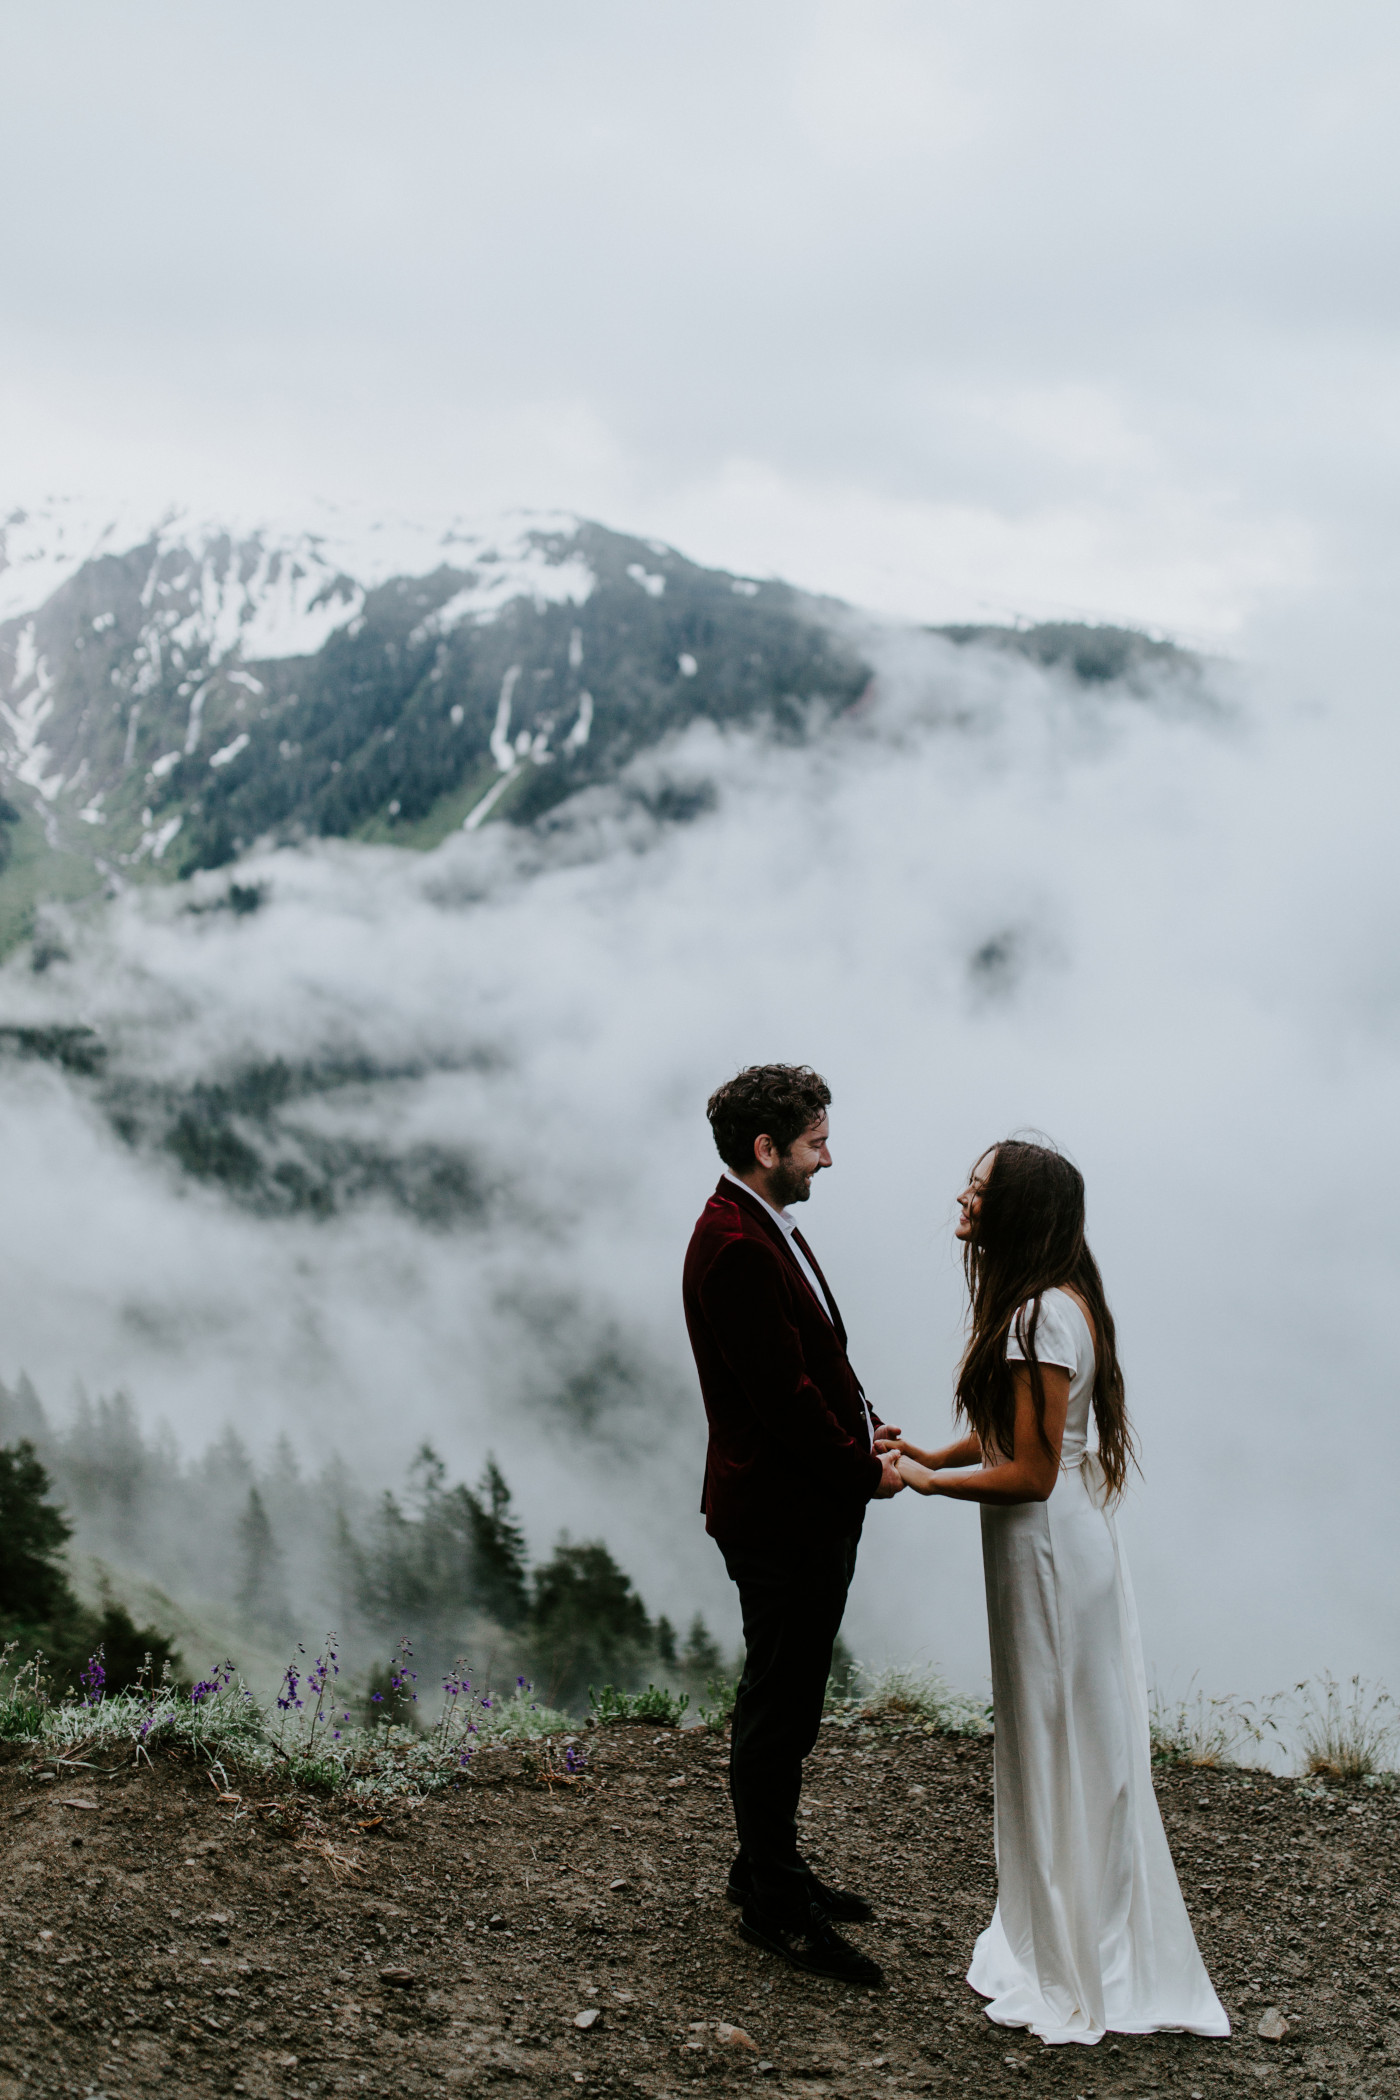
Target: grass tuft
(911,1698)
(717,1706)
(656,1706)
(1346,1731)
(1208,1731)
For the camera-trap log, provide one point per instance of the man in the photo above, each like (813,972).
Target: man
(790,1468)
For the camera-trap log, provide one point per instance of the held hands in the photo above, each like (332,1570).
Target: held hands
(906,1461)
(891,1480)
(885,1447)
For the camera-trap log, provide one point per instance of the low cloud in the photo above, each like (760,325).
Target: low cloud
(1152,926)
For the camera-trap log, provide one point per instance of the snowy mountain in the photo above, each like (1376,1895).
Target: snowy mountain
(373,1147)
(169,700)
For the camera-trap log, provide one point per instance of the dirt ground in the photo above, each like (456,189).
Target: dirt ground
(162,1940)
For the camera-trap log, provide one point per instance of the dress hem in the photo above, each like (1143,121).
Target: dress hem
(1090,2037)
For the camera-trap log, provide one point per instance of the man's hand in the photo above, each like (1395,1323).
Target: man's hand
(891,1480)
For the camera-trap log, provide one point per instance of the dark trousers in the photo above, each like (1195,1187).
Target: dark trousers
(792,1600)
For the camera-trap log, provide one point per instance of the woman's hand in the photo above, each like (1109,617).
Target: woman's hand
(1029,1475)
(919,1477)
(901,1447)
(966,1452)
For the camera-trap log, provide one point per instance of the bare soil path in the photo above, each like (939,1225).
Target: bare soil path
(161,1940)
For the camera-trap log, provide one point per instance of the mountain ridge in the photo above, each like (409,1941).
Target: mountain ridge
(170,703)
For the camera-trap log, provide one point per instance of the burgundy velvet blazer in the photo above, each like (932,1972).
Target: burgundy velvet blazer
(789,1454)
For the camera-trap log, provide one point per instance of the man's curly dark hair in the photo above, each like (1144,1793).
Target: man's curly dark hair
(774,1101)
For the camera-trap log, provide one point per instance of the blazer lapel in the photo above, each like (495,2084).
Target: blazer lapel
(775,1232)
(837,1322)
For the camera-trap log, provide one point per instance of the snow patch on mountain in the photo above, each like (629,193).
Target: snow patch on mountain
(269,588)
(42,546)
(29,758)
(257,600)
(504,577)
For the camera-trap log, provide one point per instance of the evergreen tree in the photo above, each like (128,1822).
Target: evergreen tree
(8,815)
(497,1573)
(448,1548)
(34,1589)
(126,1649)
(588,1625)
(426,1478)
(462,1552)
(225,1470)
(22,1416)
(702,1658)
(665,1639)
(107,1466)
(37,1604)
(262,1582)
(349,1574)
(393,1589)
(286,1466)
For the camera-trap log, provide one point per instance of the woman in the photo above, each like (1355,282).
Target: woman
(1090,1933)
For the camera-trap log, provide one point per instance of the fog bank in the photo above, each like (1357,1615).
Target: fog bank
(1158,927)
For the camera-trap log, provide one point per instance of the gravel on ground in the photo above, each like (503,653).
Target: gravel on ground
(165,1930)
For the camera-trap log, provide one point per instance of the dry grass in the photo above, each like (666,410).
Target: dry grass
(1209,1731)
(1346,1731)
(914,1697)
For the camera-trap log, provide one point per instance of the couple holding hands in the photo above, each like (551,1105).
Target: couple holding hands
(1090,1933)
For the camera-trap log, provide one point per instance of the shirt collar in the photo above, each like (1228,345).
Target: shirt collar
(784,1217)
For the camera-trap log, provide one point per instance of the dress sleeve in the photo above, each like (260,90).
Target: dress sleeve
(1054,1337)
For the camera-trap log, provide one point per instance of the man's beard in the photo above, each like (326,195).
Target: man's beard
(789,1185)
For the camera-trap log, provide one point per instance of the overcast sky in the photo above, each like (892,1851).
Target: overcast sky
(1016,305)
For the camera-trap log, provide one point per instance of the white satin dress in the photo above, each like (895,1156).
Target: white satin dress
(1090,1933)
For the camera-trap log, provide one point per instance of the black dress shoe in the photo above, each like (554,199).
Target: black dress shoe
(812,1945)
(841,1905)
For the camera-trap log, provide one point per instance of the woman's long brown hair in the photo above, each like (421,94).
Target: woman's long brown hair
(1029,1238)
